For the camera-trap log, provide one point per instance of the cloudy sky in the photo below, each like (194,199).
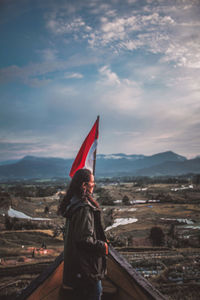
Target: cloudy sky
(136,63)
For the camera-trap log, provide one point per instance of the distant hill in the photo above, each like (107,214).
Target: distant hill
(36,167)
(165,163)
(172,168)
(121,164)
(8,162)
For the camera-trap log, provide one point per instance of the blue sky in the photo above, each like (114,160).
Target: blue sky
(134,63)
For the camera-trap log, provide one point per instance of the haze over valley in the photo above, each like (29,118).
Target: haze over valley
(113,165)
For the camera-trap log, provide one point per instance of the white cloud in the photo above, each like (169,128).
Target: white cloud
(73,75)
(185,54)
(125,32)
(59,25)
(49,54)
(157,119)
(119,95)
(109,77)
(166,29)
(28,145)
(34,74)
(142,65)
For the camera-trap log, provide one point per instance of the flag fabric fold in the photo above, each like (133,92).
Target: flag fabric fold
(86,155)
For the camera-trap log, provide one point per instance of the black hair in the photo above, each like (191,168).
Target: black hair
(75,188)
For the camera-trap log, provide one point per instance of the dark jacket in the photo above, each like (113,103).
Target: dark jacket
(84,245)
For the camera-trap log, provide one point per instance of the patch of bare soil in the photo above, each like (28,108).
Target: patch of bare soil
(24,255)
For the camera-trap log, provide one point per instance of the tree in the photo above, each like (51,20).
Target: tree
(8,223)
(157,236)
(126,200)
(104,196)
(171,232)
(46,209)
(196,179)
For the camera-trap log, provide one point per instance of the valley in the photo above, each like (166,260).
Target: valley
(156,226)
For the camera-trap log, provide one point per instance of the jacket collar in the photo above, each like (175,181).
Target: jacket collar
(76,203)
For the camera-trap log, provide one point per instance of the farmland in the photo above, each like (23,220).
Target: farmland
(170,259)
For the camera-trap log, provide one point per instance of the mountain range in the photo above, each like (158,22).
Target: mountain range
(110,165)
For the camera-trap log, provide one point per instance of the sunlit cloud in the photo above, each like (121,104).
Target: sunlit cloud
(131,31)
(134,63)
(108,76)
(121,95)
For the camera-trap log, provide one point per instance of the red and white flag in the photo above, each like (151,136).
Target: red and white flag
(87,154)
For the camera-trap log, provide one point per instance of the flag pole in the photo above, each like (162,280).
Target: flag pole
(95,152)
